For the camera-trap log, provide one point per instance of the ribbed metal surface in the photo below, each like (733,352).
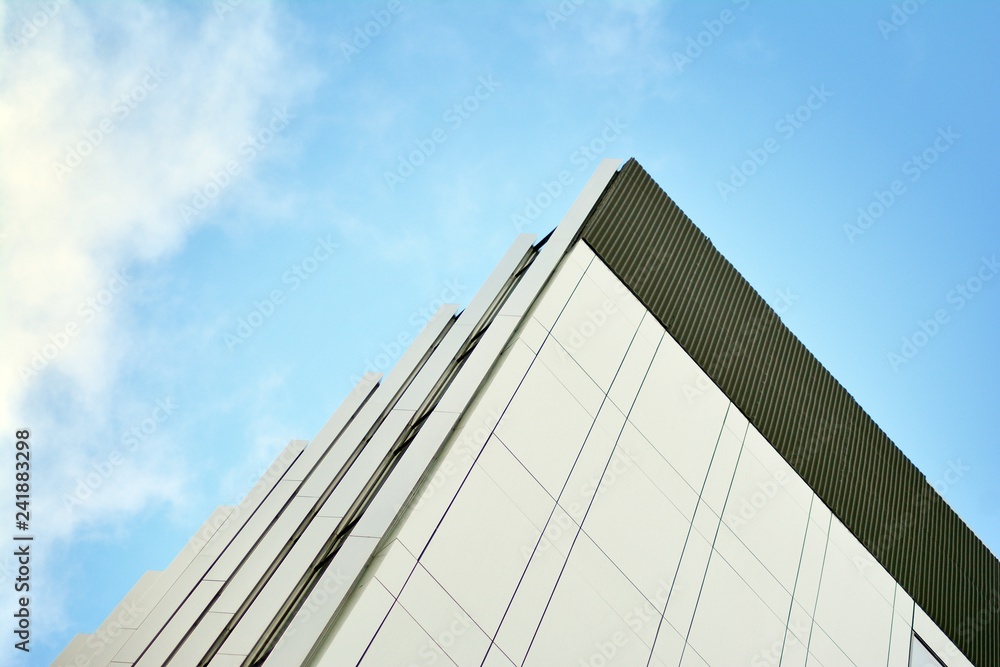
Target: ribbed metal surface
(711,310)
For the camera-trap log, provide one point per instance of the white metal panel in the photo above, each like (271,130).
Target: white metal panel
(255,526)
(811,563)
(545,427)
(195,647)
(751,629)
(679,413)
(899,642)
(754,572)
(862,633)
(309,630)
(478,552)
(443,619)
(327,435)
(585,622)
(599,462)
(633,371)
(355,630)
(532,333)
(443,480)
(766,518)
(393,566)
(568,371)
(167,606)
(179,625)
(638,528)
(548,557)
(719,481)
(510,475)
(557,290)
(401,641)
(666,478)
(279,586)
(596,331)
(688,582)
(241,583)
(625,301)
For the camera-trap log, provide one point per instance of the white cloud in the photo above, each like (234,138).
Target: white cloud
(111,116)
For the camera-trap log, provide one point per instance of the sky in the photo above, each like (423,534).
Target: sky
(216,216)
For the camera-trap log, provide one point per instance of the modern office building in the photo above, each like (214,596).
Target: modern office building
(616,454)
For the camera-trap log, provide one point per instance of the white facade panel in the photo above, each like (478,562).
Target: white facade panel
(478,552)
(679,414)
(544,427)
(443,619)
(535,588)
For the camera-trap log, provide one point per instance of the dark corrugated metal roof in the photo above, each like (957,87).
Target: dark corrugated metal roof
(714,313)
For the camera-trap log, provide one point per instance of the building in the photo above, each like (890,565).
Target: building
(615,455)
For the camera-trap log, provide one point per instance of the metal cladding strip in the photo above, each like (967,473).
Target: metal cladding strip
(224,541)
(417,398)
(167,593)
(320,481)
(346,569)
(316,536)
(334,426)
(338,459)
(205,589)
(813,422)
(208,543)
(88,649)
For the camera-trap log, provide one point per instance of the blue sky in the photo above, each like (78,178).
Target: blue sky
(213,217)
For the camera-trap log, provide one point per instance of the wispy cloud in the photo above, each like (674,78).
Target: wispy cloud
(111,116)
